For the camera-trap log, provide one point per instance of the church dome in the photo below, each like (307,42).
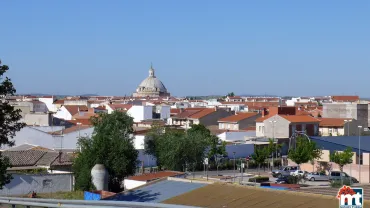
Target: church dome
(151,86)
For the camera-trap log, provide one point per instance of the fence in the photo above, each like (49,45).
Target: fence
(81,203)
(23,184)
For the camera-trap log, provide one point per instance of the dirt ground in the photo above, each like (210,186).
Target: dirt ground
(233,196)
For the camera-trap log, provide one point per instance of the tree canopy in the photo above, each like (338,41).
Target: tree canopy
(260,155)
(9,122)
(231,94)
(304,151)
(342,158)
(111,145)
(175,150)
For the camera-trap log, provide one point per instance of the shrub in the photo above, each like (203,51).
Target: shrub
(259,179)
(338,183)
(293,179)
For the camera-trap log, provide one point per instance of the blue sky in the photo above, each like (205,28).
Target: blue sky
(197,47)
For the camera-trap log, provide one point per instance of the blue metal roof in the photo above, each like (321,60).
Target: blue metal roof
(158,192)
(340,142)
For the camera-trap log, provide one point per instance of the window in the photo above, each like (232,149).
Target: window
(330,130)
(222,125)
(260,128)
(235,126)
(263,129)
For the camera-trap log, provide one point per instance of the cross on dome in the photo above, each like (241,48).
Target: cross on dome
(151,71)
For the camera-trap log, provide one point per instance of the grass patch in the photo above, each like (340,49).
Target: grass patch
(73,195)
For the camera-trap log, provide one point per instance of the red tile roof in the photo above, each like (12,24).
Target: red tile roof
(175,110)
(202,113)
(261,119)
(345,98)
(194,112)
(100,108)
(82,121)
(124,107)
(238,117)
(300,119)
(332,122)
(61,102)
(74,109)
(153,176)
(233,103)
(70,130)
(250,128)
(186,113)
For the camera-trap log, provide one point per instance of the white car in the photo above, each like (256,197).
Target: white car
(297,173)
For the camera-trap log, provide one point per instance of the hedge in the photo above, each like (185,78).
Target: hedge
(259,179)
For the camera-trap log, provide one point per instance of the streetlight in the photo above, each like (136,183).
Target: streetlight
(234,166)
(273,137)
(347,122)
(79,133)
(359,153)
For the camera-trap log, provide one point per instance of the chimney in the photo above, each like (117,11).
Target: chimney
(263,112)
(216,108)
(60,156)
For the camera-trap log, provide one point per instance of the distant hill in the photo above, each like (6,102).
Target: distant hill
(41,94)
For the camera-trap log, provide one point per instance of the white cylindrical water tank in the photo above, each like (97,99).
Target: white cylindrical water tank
(100,177)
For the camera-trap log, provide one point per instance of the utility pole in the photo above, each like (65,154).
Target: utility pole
(234,166)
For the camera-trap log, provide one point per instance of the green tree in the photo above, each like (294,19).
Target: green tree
(304,151)
(9,122)
(111,145)
(259,156)
(273,148)
(230,94)
(342,158)
(217,150)
(175,150)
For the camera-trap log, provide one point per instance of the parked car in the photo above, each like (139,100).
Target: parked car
(337,175)
(315,176)
(282,180)
(298,173)
(284,171)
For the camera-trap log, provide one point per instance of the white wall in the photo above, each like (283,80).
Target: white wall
(35,136)
(63,113)
(76,102)
(23,184)
(49,104)
(130,184)
(165,112)
(236,136)
(260,129)
(140,113)
(139,141)
(109,109)
(325,131)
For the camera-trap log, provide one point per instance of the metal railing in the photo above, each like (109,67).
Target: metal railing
(51,203)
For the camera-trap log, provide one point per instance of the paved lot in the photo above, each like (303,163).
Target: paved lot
(248,174)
